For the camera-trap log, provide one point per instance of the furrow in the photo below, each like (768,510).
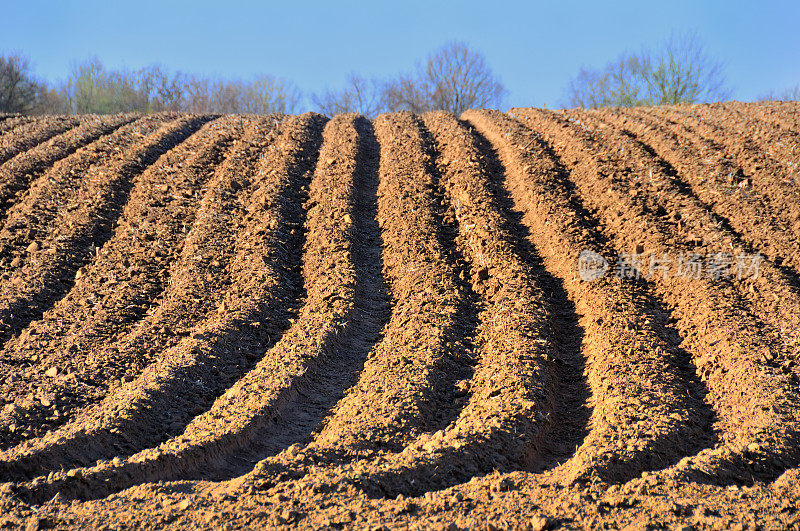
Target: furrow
(731,346)
(440,380)
(70,233)
(113,291)
(198,279)
(646,412)
(30,134)
(33,215)
(508,403)
(266,220)
(713,125)
(785,115)
(781,146)
(509,407)
(201,275)
(288,393)
(11,122)
(406,386)
(741,172)
(700,172)
(19,172)
(719,223)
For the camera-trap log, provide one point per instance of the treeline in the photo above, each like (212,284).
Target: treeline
(453,78)
(90,88)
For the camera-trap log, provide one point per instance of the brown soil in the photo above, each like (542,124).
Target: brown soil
(29,133)
(241,322)
(10,121)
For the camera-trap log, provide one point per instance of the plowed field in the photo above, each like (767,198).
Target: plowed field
(584,318)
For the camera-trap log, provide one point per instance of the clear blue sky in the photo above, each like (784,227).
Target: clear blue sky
(534,47)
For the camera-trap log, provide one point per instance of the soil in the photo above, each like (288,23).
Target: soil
(247,322)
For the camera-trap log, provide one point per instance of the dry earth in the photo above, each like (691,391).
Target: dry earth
(241,322)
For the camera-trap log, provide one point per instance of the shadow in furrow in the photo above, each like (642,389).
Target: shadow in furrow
(453,466)
(436,399)
(300,407)
(461,361)
(677,439)
(307,402)
(697,432)
(56,285)
(33,167)
(571,415)
(22,142)
(10,121)
(220,349)
(685,189)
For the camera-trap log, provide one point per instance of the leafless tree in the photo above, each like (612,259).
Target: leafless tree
(679,71)
(790,94)
(618,84)
(90,88)
(683,72)
(50,100)
(197,94)
(407,93)
(268,94)
(359,95)
(262,95)
(18,87)
(458,79)
(454,78)
(161,91)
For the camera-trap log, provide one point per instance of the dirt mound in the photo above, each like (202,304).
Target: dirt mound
(534,319)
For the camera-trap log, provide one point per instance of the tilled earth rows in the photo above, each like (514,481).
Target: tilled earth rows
(313,322)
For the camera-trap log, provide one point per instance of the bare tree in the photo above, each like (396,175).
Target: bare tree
(18,87)
(359,95)
(197,94)
(683,72)
(618,84)
(789,94)
(454,78)
(407,93)
(268,94)
(50,100)
(262,95)
(226,97)
(90,88)
(160,90)
(458,79)
(679,71)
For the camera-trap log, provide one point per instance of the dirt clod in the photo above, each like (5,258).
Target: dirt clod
(541,523)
